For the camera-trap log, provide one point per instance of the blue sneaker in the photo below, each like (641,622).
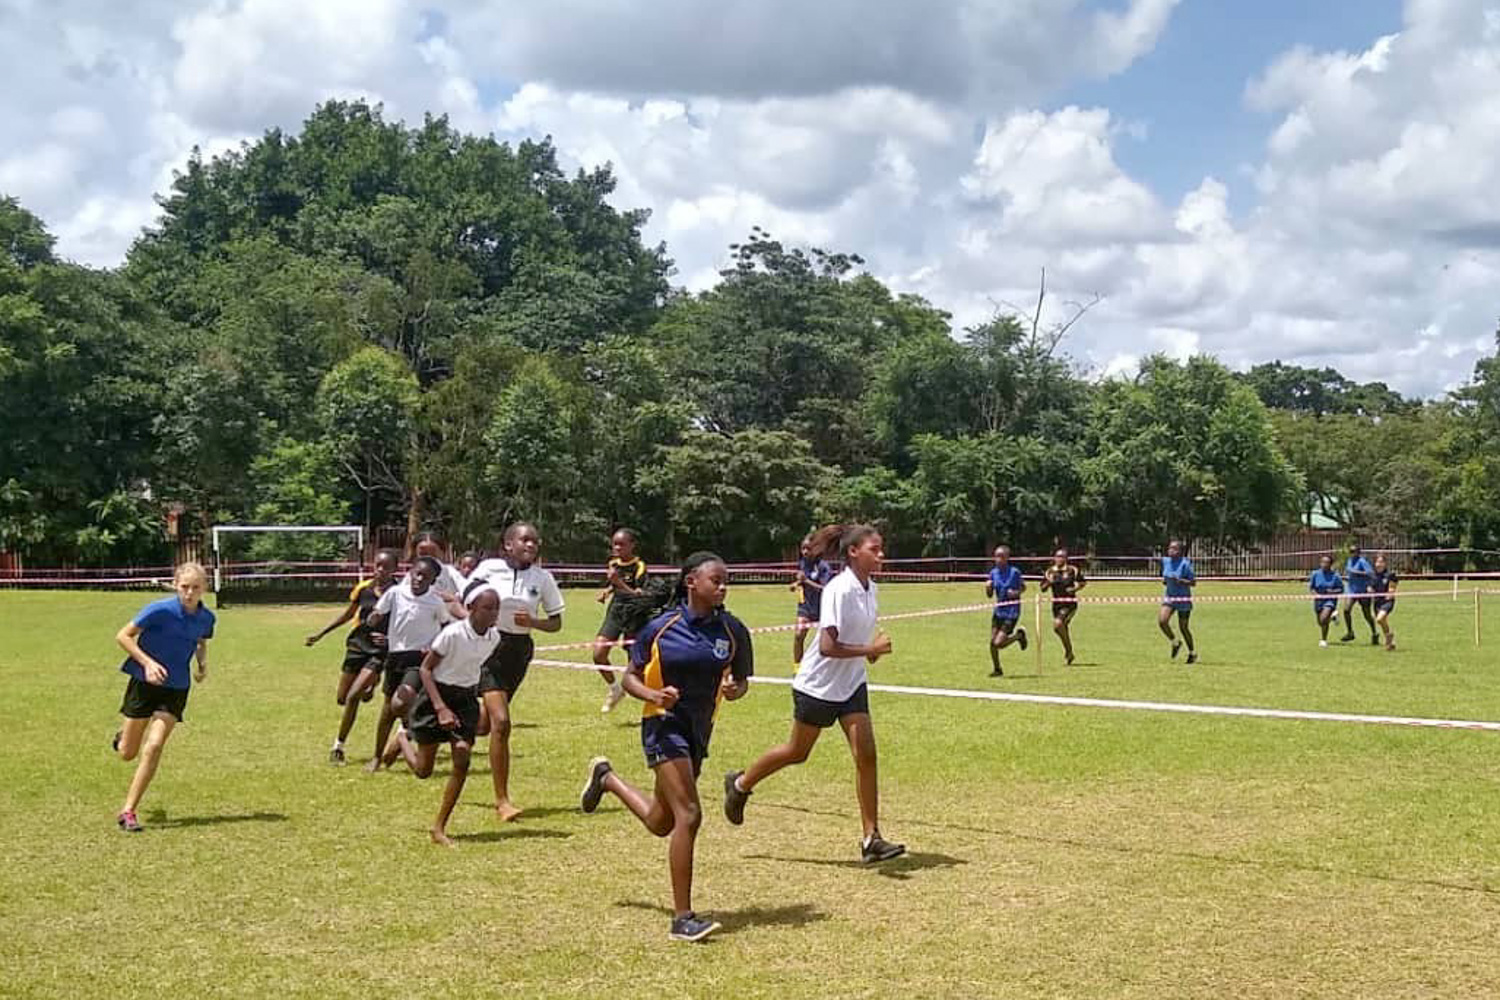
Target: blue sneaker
(690,927)
(593,789)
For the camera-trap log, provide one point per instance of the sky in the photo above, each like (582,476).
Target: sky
(1308,182)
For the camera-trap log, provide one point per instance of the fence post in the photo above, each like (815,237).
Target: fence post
(1038,631)
(1477,617)
(1455,586)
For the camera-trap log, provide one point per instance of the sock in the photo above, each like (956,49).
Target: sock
(739,788)
(338,744)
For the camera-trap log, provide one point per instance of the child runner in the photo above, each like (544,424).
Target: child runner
(1357,570)
(412,614)
(527,592)
(1384,581)
(161,641)
(683,662)
(830,687)
(1005,586)
(1064,581)
(1179,579)
(450,582)
(814,570)
(446,708)
(625,579)
(466,564)
(1328,585)
(364,648)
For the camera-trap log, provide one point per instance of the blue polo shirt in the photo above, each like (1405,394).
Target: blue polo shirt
(169,635)
(1359,573)
(1176,574)
(1008,585)
(691,654)
(1326,582)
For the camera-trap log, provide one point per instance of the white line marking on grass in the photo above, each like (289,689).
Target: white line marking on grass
(1134,706)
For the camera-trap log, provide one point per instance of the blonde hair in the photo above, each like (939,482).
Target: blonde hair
(190,571)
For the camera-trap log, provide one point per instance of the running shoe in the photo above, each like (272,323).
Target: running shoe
(1192,658)
(1322,643)
(997,672)
(1021,637)
(691,927)
(129,823)
(593,789)
(1374,639)
(876,849)
(734,799)
(336,757)
(1176,648)
(613,698)
(1347,638)
(114,744)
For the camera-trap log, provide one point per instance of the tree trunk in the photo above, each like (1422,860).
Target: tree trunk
(414,519)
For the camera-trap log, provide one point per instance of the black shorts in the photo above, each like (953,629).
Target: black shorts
(143,700)
(668,737)
(506,667)
(1386,604)
(396,667)
(817,712)
(1364,599)
(617,621)
(464,703)
(1064,610)
(809,612)
(359,655)
(1004,624)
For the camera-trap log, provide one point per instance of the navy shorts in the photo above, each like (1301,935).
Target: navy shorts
(817,712)
(143,700)
(809,612)
(1386,604)
(1323,604)
(1183,608)
(1364,599)
(1005,623)
(1064,610)
(667,737)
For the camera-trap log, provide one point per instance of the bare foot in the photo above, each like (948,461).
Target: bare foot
(505,812)
(440,837)
(373,766)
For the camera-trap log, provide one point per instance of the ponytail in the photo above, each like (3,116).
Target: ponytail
(697,559)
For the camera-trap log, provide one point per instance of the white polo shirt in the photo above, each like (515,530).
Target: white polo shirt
(854,610)
(531,589)
(463,651)
(413,620)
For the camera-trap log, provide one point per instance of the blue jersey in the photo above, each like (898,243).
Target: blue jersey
(1326,582)
(814,571)
(1360,574)
(692,654)
(169,635)
(1008,585)
(1177,574)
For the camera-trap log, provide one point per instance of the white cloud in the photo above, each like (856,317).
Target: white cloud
(917,135)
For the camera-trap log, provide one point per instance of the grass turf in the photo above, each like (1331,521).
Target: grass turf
(1054,851)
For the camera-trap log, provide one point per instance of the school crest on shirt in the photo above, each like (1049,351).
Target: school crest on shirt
(721,649)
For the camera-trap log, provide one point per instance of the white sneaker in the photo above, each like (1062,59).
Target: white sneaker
(1322,643)
(613,698)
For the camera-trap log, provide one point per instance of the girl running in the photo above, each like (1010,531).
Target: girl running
(814,570)
(527,593)
(450,582)
(830,687)
(1065,581)
(1179,579)
(683,663)
(364,647)
(1328,586)
(1383,582)
(1005,586)
(625,581)
(161,641)
(412,615)
(446,708)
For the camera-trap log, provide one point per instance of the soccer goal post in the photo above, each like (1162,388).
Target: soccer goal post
(285,563)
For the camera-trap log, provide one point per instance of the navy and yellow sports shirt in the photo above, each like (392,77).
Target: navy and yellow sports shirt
(692,654)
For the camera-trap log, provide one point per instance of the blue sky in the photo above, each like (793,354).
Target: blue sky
(1189,90)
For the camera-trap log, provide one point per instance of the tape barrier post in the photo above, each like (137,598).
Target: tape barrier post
(1455,587)
(1037,631)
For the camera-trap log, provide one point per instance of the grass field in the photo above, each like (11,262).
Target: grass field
(1055,851)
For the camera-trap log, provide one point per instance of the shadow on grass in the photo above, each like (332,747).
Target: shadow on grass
(529,812)
(792,915)
(900,869)
(513,832)
(1140,851)
(160,819)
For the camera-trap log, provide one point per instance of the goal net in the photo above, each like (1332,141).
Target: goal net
(285,564)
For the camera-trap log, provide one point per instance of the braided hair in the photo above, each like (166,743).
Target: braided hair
(690,566)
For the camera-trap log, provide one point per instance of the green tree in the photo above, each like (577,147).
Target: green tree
(367,406)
